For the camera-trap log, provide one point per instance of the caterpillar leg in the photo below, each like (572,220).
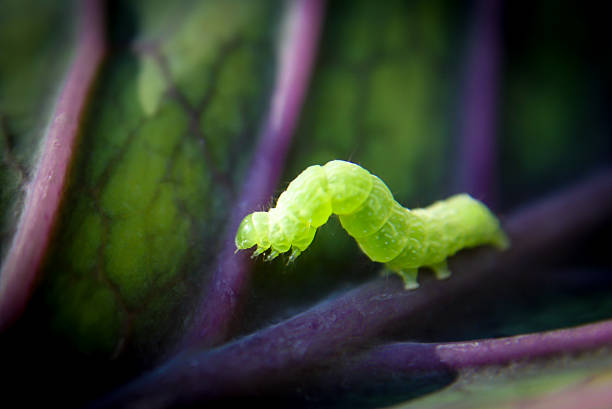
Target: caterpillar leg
(441,270)
(409,276)
(273,254)
(258,251)
(294,254)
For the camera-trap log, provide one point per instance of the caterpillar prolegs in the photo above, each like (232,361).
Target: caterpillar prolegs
(386,232)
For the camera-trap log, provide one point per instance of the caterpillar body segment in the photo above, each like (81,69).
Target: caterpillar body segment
(384,230)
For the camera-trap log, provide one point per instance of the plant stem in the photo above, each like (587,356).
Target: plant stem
(478,148)
(45,192)
(412,357)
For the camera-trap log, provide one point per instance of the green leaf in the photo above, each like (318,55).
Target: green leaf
(161,151)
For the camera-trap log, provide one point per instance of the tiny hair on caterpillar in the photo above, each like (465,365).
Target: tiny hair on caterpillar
(385,231)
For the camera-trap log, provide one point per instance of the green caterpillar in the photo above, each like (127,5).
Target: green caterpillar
(386,232)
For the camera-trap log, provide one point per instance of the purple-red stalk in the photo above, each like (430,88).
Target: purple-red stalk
(416,358)
(44,193)
(478,147)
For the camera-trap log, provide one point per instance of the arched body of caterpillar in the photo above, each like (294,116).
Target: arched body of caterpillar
(387,232)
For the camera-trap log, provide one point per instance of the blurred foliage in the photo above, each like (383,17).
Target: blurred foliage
(555,125)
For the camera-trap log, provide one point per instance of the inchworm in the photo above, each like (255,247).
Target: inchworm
(386,232)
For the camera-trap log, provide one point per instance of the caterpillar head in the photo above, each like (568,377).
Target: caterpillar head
(253,230)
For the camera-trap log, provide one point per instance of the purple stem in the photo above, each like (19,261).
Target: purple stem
(479,120)
(414,358)
(276,357)
(44,193)
(221,300)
